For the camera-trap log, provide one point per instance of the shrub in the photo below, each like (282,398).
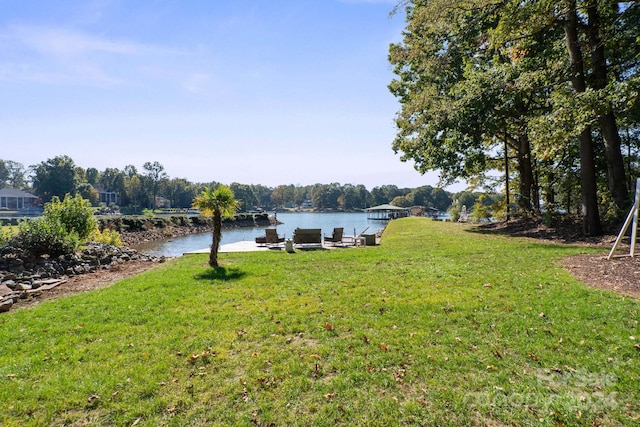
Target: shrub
(5,235)
(44,236)
(480,211)
(454,211)
(106,236)
(59,231)
(73,213)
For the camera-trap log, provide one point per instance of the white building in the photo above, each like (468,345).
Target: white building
(13,200)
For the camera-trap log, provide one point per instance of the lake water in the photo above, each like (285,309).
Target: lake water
(353,223)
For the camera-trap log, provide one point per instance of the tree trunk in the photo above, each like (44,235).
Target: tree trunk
(215,243)
(615,164)
(592,226)
(526,173)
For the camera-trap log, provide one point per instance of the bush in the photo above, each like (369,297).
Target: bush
(5,235)
(454,211)
(59,231)
(106,236)
(44,237)
(73,213)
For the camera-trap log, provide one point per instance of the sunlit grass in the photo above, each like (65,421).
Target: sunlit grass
(437,326)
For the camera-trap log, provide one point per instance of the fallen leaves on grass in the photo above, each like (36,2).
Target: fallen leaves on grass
(204,356)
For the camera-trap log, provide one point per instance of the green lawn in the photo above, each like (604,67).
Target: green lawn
(439,325)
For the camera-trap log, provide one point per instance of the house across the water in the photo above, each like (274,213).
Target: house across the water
(14,200)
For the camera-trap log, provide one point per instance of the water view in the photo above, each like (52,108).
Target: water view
(353,224)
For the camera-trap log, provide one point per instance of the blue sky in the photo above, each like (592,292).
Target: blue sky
(252,91)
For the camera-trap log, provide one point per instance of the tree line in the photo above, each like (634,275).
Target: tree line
(150,187)
(546,92)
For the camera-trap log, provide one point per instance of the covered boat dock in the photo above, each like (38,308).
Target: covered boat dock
(386,212)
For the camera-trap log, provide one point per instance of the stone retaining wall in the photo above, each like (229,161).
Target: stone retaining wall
(22,277)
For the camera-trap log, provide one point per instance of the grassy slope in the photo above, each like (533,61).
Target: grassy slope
(438,325)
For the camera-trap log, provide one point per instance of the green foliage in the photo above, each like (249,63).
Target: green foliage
(12,173)
(148,213)
(55,177)
(106,236)
(479,212)
(220,200)
(6,232)
(218,204)
(454,211)
(402,201)
(44,236)
(62,227)
(476,76)
(499,209)
(73,213)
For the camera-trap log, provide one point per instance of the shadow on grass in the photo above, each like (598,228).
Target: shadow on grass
(221,273)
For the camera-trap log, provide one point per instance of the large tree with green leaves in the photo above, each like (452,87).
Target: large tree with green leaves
(218,204)
(16,174)
(154,174)
(530,76)
(54,177)
(4,174)
(461,98)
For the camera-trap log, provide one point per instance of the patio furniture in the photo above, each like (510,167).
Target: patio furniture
(336,237)
(307,236)
(272,237)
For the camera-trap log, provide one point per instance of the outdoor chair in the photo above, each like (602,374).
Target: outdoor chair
(336,237)
(272,238)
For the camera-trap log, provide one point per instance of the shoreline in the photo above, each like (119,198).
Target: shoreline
(140,230)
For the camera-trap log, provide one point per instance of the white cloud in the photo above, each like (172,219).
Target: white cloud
(59,55)
(62,43)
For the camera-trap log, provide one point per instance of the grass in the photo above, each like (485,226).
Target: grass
(437,326)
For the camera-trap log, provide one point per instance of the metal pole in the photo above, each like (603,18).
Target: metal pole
(634,230)
(633,216)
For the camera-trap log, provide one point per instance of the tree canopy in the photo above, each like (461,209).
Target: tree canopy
(485,85)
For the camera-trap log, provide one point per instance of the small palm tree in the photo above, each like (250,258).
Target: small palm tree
(218,204)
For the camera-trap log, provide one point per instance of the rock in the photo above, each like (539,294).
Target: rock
(22,287)
(38,283)
(5,290)
(43,273)
(6,305)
